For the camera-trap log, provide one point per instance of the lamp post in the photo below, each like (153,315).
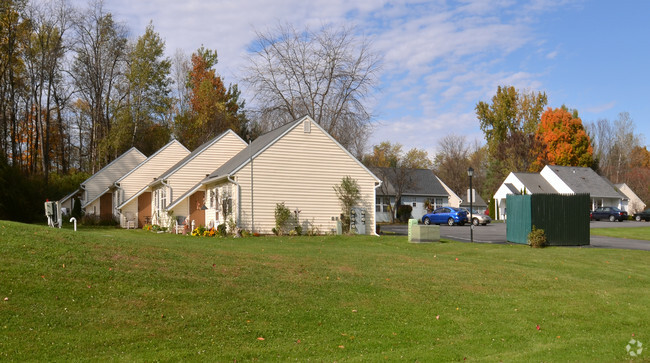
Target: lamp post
(470,173)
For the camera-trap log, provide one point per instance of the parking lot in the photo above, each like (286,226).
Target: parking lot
(496,233)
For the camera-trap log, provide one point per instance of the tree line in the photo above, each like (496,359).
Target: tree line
(523,134)
(77,90)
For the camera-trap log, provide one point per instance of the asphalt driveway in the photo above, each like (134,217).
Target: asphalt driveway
(496,233)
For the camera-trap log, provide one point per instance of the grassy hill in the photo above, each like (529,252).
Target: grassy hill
(101,294)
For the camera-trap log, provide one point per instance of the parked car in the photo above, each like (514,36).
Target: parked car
(447,215)
(478,218)
(642,216)
(611,213)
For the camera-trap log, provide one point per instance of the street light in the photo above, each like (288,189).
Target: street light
(470,173)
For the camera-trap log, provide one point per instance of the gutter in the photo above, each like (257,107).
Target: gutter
(374,227)
(238,199)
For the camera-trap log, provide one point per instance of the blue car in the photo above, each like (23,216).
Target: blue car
(447,215)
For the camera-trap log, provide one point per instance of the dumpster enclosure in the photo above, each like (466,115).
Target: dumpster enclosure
(564,218)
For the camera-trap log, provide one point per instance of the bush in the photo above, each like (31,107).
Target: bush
(222,230)
(404,212)
(283,219)
(537,238)
(492,209)
(349,195)
(95,220)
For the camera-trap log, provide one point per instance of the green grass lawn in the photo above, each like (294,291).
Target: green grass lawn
(642,233)
(109,294)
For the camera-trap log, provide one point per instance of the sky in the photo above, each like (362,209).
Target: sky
(440,58)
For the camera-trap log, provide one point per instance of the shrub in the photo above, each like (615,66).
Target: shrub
(492,209)
(537,238)
(283,219)
(222,230)
(95,220)
(76,209)
(404,212)
(428,205)
(349,195)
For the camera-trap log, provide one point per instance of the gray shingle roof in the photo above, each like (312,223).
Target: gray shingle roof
(254,148)
(477,200)
(424,183)
(512,188)
(585,180)
(535,183)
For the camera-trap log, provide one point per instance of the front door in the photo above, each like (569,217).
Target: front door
(197,213)
(144,209)
(106,206)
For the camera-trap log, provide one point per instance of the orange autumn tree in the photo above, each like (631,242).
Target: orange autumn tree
(213,107)
(562,140)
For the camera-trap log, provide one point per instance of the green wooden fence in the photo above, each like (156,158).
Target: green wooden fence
(564,218)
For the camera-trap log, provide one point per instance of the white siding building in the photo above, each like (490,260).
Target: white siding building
(96,196)
(132,196)
(297,164)
(559,180)
(174,195)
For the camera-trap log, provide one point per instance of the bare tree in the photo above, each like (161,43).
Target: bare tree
(452,161)
(44,56)
(101,50)
(181,68)
(613,142)
(327,74)
(395,168)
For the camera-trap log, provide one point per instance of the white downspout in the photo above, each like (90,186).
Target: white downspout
(238,199)
(374,205)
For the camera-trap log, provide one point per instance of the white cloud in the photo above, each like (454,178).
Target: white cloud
(439,59)
(601,108)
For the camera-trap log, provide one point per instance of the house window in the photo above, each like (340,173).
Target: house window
(439,203)
(382,204)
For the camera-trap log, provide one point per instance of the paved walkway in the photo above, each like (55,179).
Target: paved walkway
(496,233)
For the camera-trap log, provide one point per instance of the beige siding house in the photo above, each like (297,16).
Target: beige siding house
(634,204)
(96,196)
(132,194)
(298,164)
(173,194)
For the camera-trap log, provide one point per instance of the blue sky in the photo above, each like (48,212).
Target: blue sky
(441,57)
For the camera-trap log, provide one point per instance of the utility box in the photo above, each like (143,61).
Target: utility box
(358,220)
(412,222)
(53,214)
(424,233)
